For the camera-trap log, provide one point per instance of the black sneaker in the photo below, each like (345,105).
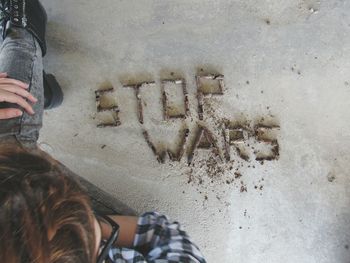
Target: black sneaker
(52,92)
(27,14)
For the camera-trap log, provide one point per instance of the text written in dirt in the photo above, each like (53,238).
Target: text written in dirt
(235,136)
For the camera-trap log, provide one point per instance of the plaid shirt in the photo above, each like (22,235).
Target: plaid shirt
(160,242)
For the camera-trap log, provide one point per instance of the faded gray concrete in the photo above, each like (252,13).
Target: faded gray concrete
(289,59)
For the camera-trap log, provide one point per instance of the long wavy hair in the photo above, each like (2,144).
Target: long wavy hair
(45,216)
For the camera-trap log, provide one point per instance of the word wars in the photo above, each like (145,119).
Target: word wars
(231,137)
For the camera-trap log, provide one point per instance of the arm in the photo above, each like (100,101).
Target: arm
(157,238)
(127,230)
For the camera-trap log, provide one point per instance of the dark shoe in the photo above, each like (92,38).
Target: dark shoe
(27,14)
(52,92)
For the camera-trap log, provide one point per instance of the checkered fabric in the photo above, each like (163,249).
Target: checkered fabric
(160,242)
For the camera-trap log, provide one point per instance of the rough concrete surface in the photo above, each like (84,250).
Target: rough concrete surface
(285,63)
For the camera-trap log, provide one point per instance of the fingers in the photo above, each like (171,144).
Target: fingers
(10,113)
(14,91)
(14,98)
(19,91)
(8,81)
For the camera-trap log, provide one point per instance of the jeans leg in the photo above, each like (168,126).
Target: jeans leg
(21,59)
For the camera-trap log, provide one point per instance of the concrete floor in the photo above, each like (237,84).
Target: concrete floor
(287,62)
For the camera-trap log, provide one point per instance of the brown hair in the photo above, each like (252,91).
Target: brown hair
(45,217)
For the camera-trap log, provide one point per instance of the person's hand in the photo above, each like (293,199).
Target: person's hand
(14,91)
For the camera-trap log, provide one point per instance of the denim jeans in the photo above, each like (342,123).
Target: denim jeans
(21,59)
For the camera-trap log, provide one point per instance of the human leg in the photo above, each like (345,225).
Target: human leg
(21,59)
(23,30)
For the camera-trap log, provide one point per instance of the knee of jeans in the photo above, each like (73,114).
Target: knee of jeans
(19,39)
